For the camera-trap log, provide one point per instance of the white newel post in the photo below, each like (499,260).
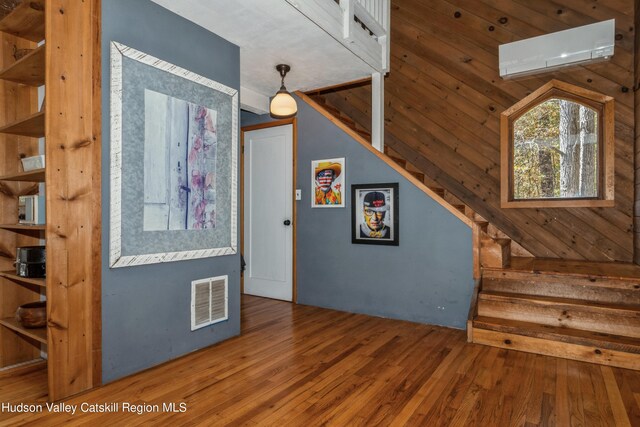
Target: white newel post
(377,111)
(347,7)
(386,39)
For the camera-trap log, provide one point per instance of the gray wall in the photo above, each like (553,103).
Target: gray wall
(146,309)
(428,278)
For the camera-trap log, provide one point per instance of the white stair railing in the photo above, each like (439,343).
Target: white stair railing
(363,27)
(343,20)
(380,12)
(375,16)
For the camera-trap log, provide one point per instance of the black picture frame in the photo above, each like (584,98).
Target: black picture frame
(386,202)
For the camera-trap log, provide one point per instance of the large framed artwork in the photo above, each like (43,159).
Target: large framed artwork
(328,182)
(374,214)
(174,159)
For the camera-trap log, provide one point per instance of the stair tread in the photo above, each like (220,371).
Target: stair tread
(347,120)
(545,300)
(331,109)
(550,279)
(397,159)
(612,270)
(556,333)
(500,241)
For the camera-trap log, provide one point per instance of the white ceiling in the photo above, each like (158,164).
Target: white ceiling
(271,32)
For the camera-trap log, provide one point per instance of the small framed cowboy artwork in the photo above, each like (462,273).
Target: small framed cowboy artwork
(374,214)
(328,183)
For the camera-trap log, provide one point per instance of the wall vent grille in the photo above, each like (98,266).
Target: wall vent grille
(209,301)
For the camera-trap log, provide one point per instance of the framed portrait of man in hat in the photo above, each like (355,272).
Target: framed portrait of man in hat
(328,183)
(374,214)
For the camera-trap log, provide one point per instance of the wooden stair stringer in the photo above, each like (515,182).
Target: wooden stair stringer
(385,158)
(497,247)
(514,249)
(489,230)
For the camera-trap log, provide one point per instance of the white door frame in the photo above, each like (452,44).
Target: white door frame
(294,219)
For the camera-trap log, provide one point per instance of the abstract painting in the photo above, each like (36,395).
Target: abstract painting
(179,164)
(173,164)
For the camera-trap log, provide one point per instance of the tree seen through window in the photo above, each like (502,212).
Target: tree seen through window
(555,151)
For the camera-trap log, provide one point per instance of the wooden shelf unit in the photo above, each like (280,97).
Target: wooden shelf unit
(25,21)
(28,70)
(31,126)
(11,275)
(36,175)
(73,116)
(38,334)
(20,125)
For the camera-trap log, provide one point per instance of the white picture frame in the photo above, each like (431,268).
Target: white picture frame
(182,252)
(328,183)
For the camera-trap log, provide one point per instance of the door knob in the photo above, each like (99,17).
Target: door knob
(287,222)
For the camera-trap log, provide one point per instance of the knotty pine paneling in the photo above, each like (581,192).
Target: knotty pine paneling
(444,97)
(73,138)
(636,91)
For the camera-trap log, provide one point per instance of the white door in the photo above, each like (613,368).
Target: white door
(268,192)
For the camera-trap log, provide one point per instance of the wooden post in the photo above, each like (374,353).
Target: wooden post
(73,129)
(385,40)
(377,111)
(476,237)
(347,18)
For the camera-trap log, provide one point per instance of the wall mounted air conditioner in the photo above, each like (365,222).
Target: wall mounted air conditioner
(588,43)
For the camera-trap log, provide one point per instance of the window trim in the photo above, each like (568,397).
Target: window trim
(557,89)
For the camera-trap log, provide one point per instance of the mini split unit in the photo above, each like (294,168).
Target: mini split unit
(594,42)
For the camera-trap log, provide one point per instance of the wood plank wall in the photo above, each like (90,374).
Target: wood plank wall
(444,97)
(73,195)
(636,94)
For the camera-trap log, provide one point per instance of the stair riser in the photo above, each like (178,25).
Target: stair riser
(614,322)
(565,335)
(573,279)
(557,349)
(494,255)
(570,288)
(400,162)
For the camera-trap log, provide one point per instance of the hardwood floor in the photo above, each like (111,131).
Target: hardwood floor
(301,365)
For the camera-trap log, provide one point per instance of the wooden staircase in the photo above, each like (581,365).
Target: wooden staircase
(571,309)
(496,248)
(583,311)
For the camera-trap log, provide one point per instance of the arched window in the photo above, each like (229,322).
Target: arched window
(557,149)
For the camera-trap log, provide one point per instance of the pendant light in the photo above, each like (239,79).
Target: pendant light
(282,104)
